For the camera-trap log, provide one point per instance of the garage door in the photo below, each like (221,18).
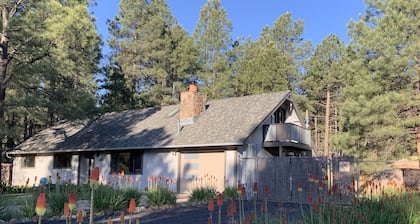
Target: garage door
(202,169)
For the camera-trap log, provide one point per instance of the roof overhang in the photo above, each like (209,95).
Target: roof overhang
(178,148)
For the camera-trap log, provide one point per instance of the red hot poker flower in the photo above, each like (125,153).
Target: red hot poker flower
(219,199)
(132,207)
(255,187)
(210,205)
(66,210)
(72,200)
(41,208)
(299,187)
(266,190)
(95,174)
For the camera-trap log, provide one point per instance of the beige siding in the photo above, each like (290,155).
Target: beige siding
(202,170)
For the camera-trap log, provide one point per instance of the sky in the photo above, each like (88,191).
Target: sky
(321,17)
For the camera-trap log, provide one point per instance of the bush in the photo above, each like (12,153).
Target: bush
(3,204)
(107,198)
(56,200)
(201,194)
(230,193)
(130,192)
(159,196)
(28,206)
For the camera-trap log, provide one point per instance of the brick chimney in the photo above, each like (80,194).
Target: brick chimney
(192,103)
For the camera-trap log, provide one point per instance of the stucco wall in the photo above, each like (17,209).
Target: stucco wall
(43,168)
(231,169)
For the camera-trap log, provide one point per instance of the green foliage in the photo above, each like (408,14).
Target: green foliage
(3,204)
(396,208)
(230,193)
(56,200)
(212,36)
(130,192)
(201,194)
(107,198)
(159,196)
(28,205)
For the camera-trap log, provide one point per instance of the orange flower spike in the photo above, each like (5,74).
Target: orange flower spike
(72,200)
(240,186)
(132,206)
(219,200)
(95,174)
(210,205)
(246,221)
(79,217)
(94,177)
(262,207)
(320,186)
(255,187)
(41,207)
(299,187)
(310,178)
(66,210)
(266,190)
(233,204)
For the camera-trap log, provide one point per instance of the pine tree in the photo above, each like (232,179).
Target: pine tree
(271,63)
(380,112)
(322,84)
(212,35)
(153,51)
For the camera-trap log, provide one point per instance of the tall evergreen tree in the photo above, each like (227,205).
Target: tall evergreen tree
(381,108)
(45,42)
(212,36)
(148,45)
(322,84)
(272,62)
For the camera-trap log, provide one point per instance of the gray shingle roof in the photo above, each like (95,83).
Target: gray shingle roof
(225,122)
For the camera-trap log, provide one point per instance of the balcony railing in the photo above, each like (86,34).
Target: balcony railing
(286,133)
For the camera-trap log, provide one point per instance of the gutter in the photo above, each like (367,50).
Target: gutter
(213,145)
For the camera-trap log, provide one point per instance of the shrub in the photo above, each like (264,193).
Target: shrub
(108,198)
(3,204)
(230,193)
(201,194)
(56,200)
(159,196)
(130,192)
(28,206)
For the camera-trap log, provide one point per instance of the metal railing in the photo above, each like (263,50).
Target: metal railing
(288,133)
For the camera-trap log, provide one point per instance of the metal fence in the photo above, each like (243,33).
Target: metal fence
(301,179)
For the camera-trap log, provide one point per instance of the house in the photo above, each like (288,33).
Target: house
(186,142)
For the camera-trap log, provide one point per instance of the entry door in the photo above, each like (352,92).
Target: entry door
(202,169)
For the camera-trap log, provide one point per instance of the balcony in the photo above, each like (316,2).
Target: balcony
(287,136)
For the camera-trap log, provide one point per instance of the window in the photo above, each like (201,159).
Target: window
(28,161)
(279,116)
(62,161)
(129,162)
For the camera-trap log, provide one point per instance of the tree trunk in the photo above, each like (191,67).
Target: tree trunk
(4,61)
(327,124)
